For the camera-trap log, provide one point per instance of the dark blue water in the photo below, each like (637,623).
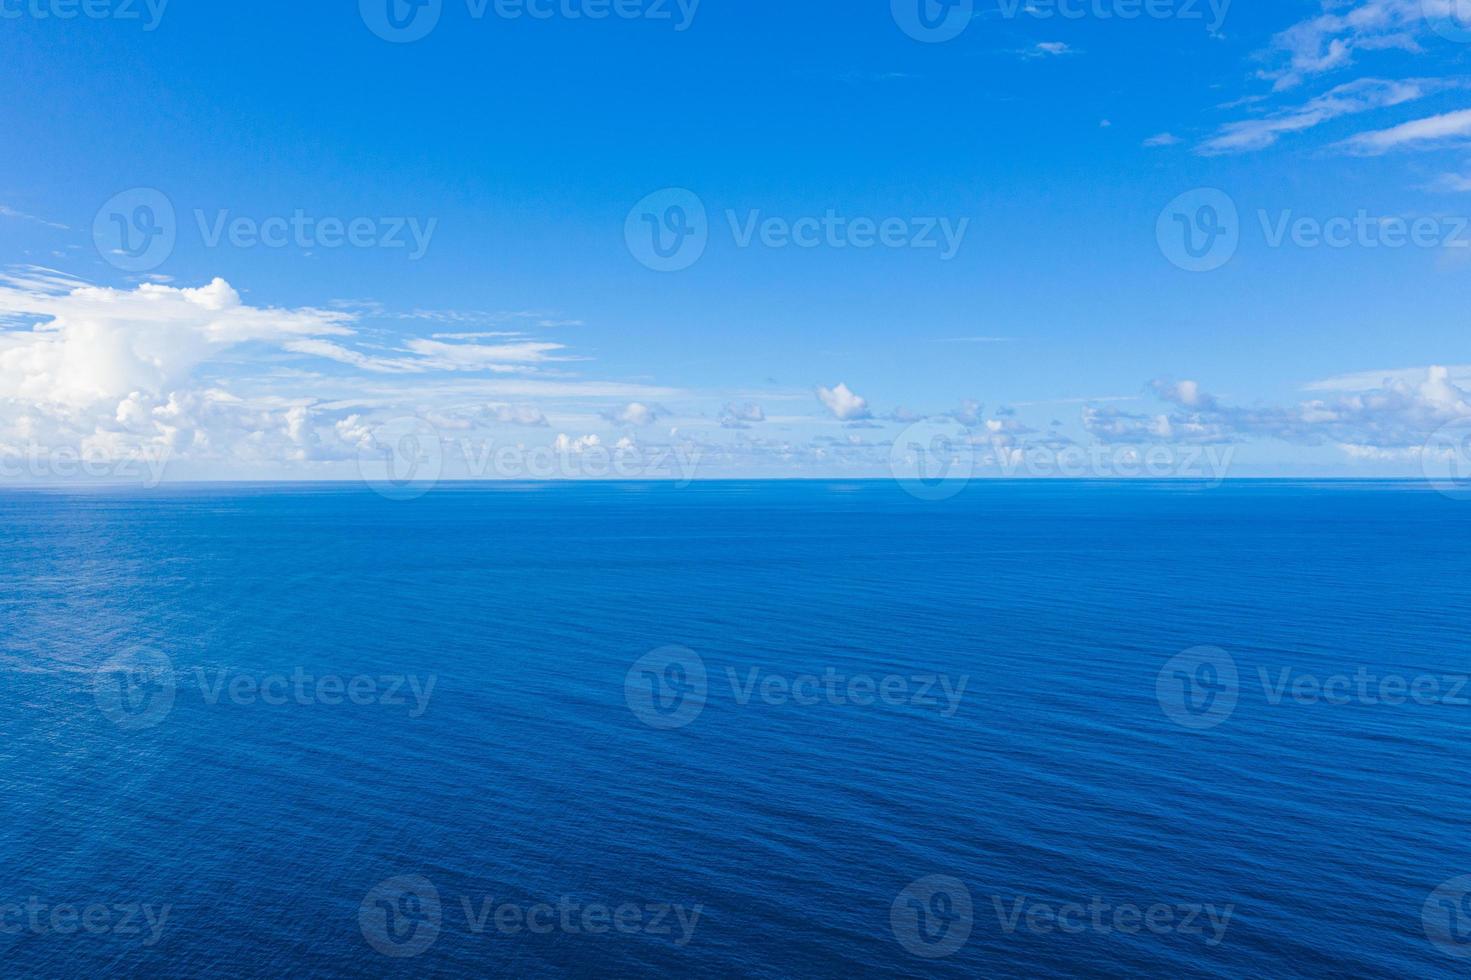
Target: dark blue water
(775,829)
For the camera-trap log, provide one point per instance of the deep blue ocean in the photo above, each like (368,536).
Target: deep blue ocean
(736,729)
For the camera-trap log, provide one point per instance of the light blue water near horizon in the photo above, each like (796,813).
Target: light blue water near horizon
(1060,776)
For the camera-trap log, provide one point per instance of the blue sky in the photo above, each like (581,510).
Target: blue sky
(1058,154)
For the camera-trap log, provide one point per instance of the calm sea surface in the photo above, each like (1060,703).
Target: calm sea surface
(738,729)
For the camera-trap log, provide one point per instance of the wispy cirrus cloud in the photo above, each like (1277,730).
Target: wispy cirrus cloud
(9,212)
(1351,98)
(1430,132)
(1345,29)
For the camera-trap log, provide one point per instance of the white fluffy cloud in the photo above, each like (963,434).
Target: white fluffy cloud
(634,413)
(202,377)
(88,344)
(843,403)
